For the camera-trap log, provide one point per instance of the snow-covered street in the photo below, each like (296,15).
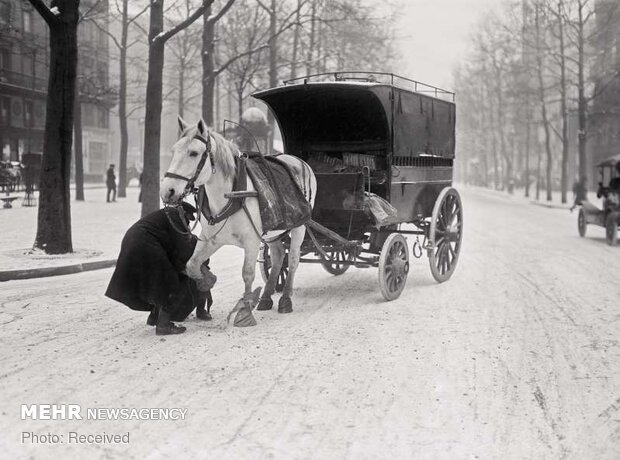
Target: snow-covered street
(516,356)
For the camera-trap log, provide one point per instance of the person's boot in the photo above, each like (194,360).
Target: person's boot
(165,326)
(152,319)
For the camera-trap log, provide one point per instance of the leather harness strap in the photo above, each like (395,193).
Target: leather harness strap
(234,204)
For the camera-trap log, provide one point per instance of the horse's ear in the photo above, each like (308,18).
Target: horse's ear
(202,127)
(182,124)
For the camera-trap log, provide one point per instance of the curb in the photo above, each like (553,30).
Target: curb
(43,272)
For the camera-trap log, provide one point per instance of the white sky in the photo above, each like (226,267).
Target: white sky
(435,37)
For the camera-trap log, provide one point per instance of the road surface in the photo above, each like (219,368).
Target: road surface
(517,356)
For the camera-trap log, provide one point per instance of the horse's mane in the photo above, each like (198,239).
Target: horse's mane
(222,150)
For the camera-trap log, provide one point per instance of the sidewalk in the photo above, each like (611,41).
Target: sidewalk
(97,228)
(519,196)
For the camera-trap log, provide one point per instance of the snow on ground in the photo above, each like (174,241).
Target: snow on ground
(98,228)
(516,356)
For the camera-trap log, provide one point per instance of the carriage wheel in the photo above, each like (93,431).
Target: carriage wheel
(445,234)
(334,263)
(582,225)
(611,229)
(266,268)
(393,266)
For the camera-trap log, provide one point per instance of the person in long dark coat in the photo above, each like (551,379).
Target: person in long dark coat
(149,274)
(110,183)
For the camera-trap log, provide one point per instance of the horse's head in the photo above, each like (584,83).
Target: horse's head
(192,162)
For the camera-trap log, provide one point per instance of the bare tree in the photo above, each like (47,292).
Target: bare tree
(209,71)
(154,97)
(54,214)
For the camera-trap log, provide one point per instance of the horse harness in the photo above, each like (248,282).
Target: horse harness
(235,202)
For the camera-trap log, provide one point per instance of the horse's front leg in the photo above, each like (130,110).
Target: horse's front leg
(244,315)
(203,250)
(285,305)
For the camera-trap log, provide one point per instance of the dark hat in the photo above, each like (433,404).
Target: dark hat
(190,210)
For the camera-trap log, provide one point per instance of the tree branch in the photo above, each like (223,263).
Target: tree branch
(263,6)
(47,15)
(239,56)
(164,36)
(222,12)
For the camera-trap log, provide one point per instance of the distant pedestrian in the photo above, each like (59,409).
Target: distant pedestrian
(579,192)
(110,182)
(150,276)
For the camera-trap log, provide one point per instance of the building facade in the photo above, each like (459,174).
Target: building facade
(24,67)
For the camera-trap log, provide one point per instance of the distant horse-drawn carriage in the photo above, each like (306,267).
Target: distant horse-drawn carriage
(372,153)
(609,189)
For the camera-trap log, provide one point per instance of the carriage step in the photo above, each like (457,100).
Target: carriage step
(241,194)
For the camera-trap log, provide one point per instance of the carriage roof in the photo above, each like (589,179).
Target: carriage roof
(376,113)
(611,161)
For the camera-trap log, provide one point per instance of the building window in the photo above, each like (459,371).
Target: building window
(5,60)
(102,74)
(102,118)
(27,19)
(88,114)
(97,157)
(103,38)
(5,111)
(27,63)
(5,12)
(28,114)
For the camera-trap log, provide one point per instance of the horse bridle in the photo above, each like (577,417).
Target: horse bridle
(189,188)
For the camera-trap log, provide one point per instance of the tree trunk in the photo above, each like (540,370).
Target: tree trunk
(54,213)
(311,40)
(208,67)
(563,108)
(296,41)
(181,103)
(543,110)
(528,136)
(273,65)
(239,90)
(582,103)
(152,121)
(78,148)
(122,104)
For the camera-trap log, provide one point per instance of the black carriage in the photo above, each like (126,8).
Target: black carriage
(382,149)
(609,191)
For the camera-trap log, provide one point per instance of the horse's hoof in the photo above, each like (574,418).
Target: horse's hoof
(244,318)
(265,303)
(203,315)
(285,305)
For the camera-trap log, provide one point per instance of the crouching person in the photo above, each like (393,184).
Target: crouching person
(149,274)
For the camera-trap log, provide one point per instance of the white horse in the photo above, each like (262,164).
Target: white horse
(205,158)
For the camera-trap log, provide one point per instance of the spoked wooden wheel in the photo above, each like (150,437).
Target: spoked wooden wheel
(445,234)
(334,263)
(266,268)
(611,229)
(393,266)
(581,223)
